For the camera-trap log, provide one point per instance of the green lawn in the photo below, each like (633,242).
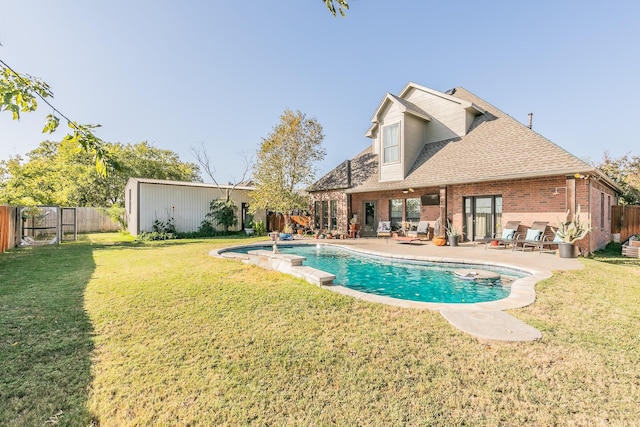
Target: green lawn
(114,333)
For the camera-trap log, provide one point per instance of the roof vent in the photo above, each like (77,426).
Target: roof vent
(451,91)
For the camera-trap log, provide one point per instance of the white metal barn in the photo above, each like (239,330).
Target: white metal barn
(147,200)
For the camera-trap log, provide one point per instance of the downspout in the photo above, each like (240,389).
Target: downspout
(589,240)
(443,210)
(349,196)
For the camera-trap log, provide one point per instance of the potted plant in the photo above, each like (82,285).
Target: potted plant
(570,230)
(353,223)
(453,233)
(249,229)
(287,233)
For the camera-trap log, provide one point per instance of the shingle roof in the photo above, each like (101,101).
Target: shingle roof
(350,173)
(410,107)
(496,147)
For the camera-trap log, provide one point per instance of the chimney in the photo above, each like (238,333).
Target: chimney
(530,120)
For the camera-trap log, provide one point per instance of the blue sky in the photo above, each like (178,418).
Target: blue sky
(181,74)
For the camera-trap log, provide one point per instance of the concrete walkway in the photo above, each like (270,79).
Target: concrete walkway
(482,320)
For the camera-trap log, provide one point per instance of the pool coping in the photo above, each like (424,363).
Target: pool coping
(484,320)
(522,289)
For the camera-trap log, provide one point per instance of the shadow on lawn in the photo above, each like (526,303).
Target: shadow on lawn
(45,335)
(612,254)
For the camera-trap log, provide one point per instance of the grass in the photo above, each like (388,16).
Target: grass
(119,333)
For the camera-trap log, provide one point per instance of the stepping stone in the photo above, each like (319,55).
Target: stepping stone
(492,325)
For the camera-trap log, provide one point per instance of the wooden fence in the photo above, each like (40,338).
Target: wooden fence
(625,220)
(8,227)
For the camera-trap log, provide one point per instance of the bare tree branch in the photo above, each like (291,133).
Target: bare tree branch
(204,160)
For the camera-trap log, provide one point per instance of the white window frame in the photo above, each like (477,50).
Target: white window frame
(389,149)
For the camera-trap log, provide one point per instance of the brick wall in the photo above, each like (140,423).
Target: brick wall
(524,200)
(342,209)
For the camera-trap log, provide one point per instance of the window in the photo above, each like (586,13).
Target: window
(412,210)
(325,215)
(391,143)
(602,211)
(395,213)
(334,214)
(316,215)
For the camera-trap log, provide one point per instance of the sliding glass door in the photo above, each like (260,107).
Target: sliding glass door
(483,215)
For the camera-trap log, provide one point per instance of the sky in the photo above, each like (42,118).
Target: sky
(220,74)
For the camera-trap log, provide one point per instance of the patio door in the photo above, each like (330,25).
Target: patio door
(370,220)
(483,215)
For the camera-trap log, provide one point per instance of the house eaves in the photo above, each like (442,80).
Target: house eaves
(467,105)
(406,107)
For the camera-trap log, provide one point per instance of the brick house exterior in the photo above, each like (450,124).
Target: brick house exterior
(453,156)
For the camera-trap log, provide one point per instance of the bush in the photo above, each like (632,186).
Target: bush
(156,235)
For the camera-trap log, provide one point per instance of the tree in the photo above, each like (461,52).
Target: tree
(58,173)
(222,209)
(625,171)
(19,93)
(285,163)
(342,5)
(223,212)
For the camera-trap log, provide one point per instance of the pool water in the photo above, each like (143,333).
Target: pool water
(402,279)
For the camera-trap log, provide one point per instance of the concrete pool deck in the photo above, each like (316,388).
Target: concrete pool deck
(482,320)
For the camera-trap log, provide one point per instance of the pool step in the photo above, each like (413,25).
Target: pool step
(290,264)
(313,275)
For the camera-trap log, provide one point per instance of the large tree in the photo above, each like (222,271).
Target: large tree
(286,163)
(625,171)
(58,173)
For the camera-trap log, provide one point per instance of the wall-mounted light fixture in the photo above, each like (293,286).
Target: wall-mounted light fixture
(407,190)
(588,176)
(555,193)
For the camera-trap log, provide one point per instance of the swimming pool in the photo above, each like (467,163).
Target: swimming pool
(400,278)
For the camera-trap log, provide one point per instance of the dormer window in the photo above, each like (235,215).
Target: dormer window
(391,143)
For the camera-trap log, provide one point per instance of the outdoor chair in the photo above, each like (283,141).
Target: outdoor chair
(533,236)
(507,237)
(384,229)
(421,232)
(545,241)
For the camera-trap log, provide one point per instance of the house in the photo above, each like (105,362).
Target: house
(187,203)
(453,156)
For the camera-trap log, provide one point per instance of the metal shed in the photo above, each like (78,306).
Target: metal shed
(147,200)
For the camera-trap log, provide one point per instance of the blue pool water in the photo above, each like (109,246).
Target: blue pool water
(403,279)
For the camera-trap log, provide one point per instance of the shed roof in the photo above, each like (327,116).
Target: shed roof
(189,184)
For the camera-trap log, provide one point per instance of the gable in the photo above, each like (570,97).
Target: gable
(477,143)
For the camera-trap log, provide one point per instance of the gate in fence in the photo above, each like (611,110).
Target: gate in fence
(625,220)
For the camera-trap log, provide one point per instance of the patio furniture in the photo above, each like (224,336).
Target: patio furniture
(405,239)
(545,241)
(384,229)
(534,235)
(421,231)
(508,235)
